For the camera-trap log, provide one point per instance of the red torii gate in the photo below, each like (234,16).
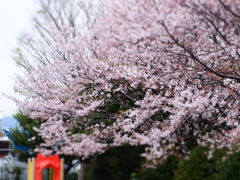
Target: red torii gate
(42,162)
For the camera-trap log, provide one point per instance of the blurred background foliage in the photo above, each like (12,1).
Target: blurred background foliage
(125,163)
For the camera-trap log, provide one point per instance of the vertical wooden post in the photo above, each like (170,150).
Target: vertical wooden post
(34,166)
(29,177)
(62,169)
(31,169)
(50,174)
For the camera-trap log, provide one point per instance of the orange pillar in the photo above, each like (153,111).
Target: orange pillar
(53,162)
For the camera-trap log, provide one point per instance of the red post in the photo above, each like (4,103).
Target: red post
(53,162)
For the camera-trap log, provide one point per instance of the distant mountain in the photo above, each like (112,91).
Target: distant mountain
(8,122)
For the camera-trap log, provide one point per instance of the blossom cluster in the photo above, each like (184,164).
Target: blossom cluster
(160,73)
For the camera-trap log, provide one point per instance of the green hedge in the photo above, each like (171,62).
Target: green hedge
(197,166)
(162,171)
(230,169)
(125,163)
(117,163)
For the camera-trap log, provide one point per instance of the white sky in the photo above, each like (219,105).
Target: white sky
(15,15)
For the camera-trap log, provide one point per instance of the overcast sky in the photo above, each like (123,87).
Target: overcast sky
(15,15)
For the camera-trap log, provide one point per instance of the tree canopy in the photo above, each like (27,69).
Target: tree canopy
(164,74)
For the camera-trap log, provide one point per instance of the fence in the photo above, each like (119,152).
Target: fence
(13,173)
(11,169)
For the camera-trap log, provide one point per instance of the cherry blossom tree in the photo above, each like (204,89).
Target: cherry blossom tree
(164,74)
(51,14)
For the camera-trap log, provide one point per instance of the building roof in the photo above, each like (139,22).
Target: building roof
(4,138)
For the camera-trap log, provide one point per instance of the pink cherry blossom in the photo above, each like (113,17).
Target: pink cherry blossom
(171,67)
